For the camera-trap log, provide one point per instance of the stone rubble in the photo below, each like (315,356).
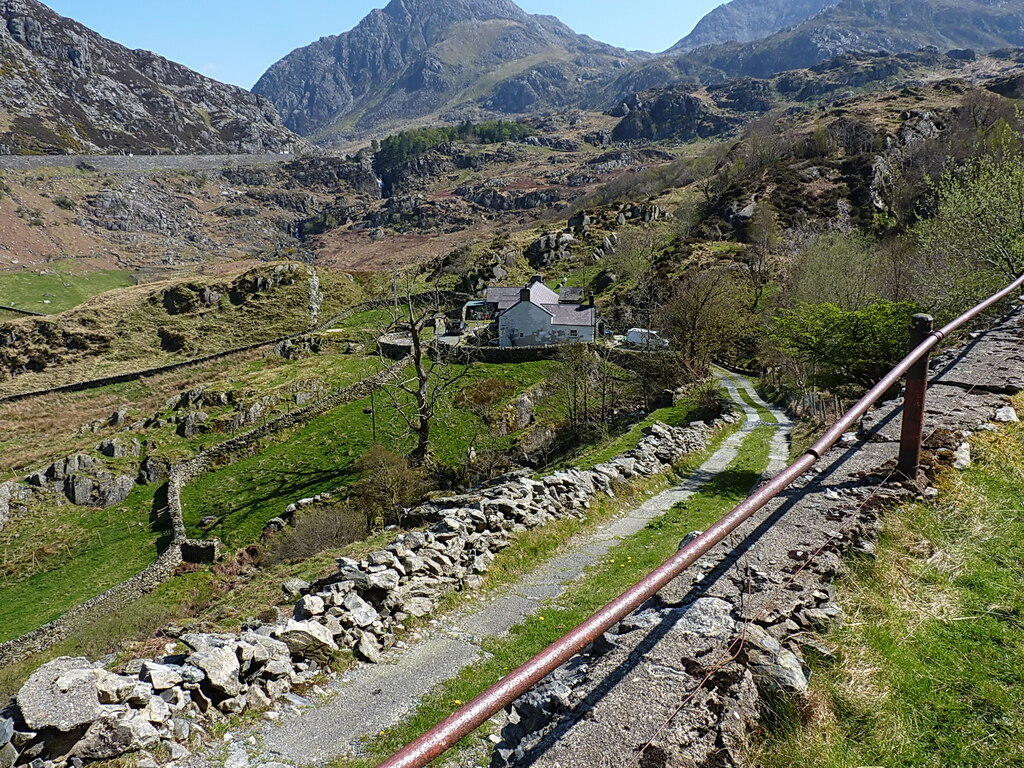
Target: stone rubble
(73,710)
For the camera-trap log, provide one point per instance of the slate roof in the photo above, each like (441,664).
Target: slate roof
(571,314)
(569,295)
(503,296)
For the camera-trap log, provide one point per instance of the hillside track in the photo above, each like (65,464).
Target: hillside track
(371,698)
(687,676)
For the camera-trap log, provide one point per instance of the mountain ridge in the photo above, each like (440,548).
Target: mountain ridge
(414,58)
(66,88)
(745,21)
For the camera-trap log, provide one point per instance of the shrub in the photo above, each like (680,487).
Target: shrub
(317,528)
(481,397)
(844,347)
(387,486)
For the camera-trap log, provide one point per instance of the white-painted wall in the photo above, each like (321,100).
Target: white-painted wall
(527,325)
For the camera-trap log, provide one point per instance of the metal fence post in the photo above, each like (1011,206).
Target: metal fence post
(912,431)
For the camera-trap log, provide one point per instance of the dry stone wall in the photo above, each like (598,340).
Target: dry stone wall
(140,163)
(80,386)
(121,595)
(72,708)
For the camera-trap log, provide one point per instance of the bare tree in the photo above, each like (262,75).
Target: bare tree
(707,314)
(763,232)
(418,395)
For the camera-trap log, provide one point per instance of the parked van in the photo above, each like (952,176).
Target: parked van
(644,337)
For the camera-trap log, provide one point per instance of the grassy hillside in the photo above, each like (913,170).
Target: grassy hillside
(160,323)
(320,455)
(60,286)
(929,671)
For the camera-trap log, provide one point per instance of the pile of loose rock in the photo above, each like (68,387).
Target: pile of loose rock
(73,709)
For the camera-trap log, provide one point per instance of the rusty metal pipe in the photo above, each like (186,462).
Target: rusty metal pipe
(475,713)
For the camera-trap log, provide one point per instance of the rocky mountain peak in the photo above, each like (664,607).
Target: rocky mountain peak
(744,21)
(418,58)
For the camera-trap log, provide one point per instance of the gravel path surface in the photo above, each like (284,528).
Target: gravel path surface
(371,698)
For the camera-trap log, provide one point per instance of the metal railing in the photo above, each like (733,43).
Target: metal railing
(472,715)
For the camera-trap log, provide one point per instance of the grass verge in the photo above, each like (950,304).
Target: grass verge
(931,667)
(57,288)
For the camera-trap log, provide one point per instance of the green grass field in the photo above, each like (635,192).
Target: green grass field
(71,554)
(63,287)
(320,456)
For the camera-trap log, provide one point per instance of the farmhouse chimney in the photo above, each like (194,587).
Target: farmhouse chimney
(524,294)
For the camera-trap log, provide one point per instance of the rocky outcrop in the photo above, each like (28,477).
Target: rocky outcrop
(668,114)
(67,89)
(549,248)
(498,200)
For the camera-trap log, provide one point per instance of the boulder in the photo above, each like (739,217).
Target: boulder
(775,668)
(61,695)
(362,612)
(114,735)
(161,676)
(309,606)
(387,580)
(221,668)
(116,448)
(152,471)
(708,617)
(8,756)
(369,649)
(1006,415)
(263,649)
(294,587)
(193,423)
(113,689)
(418,606)
(308,639)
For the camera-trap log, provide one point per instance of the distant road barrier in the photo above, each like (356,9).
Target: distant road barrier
(141,163)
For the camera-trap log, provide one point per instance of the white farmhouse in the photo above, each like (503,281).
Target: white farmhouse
(534,316)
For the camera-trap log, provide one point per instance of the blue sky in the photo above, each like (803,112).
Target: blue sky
(236,40)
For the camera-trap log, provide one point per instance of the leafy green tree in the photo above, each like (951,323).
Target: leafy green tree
(844,346)
(979,219)
(836,268)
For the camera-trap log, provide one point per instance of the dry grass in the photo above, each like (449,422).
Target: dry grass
(44,427)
